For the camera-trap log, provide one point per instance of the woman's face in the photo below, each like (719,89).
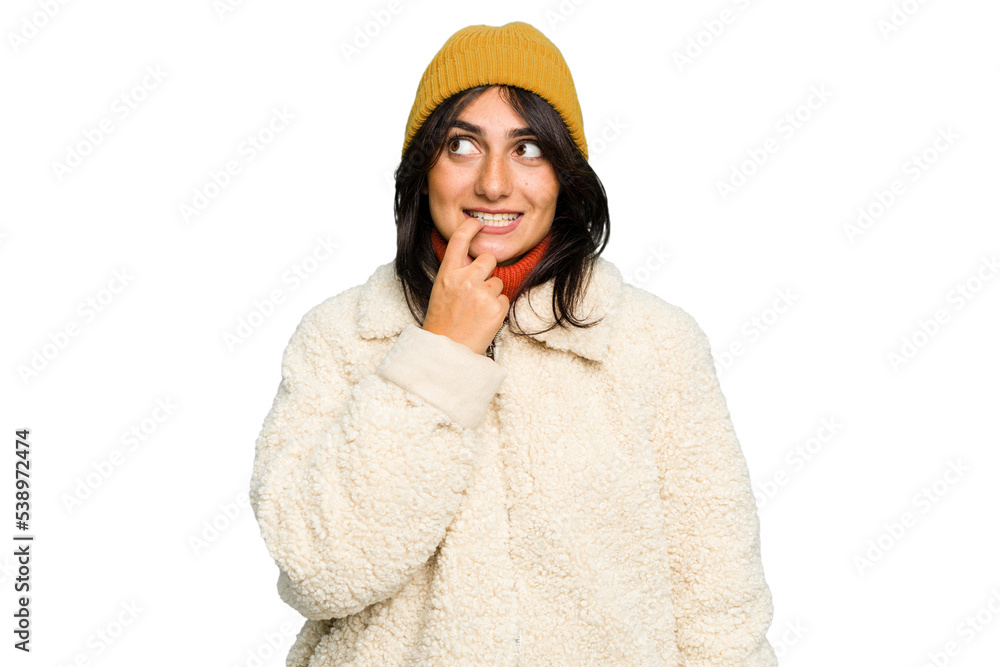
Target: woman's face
(491,164)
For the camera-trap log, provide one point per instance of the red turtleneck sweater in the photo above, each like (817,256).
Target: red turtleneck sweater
(513,275)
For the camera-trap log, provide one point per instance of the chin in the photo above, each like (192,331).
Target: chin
(502,253)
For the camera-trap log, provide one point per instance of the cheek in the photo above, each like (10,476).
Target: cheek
(548,196)
(541,194)
(548,190)
(434,193)
(441,187)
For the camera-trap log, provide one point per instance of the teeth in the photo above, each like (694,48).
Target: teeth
(495,219)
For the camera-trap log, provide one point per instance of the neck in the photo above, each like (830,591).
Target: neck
(512,275)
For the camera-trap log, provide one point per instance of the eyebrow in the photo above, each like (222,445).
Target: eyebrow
(475,129)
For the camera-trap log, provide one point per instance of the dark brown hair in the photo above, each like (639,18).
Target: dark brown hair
(580,227)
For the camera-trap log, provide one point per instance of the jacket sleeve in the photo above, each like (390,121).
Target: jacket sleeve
(357,474)
(721,600)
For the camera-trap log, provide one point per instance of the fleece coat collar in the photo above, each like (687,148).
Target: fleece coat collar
(382,311)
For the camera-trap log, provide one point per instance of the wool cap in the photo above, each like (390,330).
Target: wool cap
(515,54)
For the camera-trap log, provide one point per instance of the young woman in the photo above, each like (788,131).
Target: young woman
(495,452)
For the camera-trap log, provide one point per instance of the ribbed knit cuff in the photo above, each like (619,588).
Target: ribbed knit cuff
(444,373)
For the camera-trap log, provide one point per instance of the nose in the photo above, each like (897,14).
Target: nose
(494,178)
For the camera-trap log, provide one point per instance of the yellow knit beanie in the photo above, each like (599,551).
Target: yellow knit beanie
(515,54)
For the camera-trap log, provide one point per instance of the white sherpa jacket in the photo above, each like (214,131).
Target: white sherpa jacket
(580,500)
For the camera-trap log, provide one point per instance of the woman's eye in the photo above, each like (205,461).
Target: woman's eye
(455,146)
(528,149)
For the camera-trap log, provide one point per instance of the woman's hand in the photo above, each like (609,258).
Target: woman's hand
(466,303)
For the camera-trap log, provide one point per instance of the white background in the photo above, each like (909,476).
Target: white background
(122,545)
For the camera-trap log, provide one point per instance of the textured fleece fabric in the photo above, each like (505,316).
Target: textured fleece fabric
(581,500)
